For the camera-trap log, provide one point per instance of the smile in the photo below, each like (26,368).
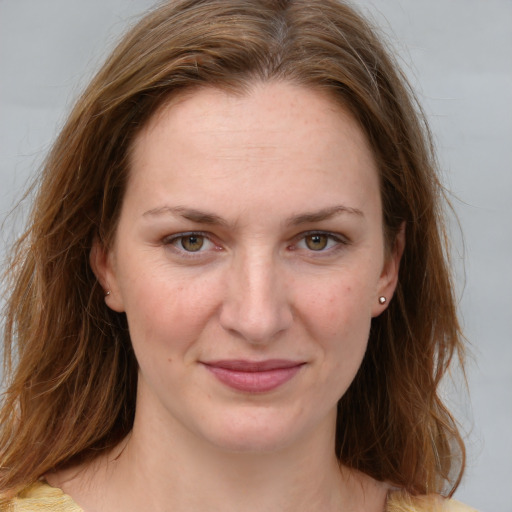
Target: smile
(254,377)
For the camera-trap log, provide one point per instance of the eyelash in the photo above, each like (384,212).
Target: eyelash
(339,243)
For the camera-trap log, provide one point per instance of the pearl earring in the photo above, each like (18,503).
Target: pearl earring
(382,300)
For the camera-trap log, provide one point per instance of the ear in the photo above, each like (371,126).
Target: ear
(389,276)
(102,262)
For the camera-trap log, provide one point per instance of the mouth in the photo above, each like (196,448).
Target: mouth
(254,376)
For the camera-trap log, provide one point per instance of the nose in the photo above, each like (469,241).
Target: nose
(256,305)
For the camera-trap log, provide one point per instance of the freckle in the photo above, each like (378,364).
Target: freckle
(170,360)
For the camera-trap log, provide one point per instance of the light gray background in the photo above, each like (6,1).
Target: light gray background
(458,53)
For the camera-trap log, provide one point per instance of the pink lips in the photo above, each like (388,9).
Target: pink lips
(254,376)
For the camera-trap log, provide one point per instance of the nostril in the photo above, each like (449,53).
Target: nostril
(256,322)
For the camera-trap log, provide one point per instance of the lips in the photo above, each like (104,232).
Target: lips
(254,376)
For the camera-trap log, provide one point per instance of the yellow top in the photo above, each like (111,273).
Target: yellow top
(40,497)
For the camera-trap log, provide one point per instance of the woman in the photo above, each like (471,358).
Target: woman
(233,291)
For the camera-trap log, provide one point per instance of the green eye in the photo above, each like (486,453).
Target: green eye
(316,242)
(192,243)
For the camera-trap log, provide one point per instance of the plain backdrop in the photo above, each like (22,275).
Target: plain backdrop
(458,54)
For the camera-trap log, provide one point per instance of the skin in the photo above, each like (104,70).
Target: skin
(255,177)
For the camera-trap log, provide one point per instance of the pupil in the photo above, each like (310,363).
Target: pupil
(192,243)
(316,242)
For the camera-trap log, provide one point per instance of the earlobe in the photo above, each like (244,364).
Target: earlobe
(389,276)
(102,265)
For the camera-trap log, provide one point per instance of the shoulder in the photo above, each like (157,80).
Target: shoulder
(402,502)
(39,497)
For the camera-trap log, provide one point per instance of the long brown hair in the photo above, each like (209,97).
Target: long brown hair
(71,391)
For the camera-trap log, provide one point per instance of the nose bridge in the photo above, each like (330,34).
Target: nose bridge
(256,306)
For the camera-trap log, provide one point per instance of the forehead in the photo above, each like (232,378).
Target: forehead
(276,138)
(271,106)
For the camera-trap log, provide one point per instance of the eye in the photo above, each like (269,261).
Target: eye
(190,242)
(320,242)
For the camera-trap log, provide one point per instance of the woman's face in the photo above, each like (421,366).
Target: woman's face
(249,259)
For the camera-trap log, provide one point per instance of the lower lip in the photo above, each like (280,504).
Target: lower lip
(254,382)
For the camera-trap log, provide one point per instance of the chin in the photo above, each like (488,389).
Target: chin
(263,431)
(247,442)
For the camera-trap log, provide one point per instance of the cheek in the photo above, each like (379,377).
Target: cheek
(339,309)
(338,318)
(167,312)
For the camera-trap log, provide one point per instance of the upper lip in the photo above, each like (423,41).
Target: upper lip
(242,365)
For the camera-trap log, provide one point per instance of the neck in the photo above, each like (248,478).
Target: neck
(164,467)
(191,475)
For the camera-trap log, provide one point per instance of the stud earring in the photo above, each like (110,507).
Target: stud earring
(107,293)
(382,300)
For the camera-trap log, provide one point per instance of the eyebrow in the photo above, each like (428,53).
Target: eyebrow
(202,217)
(324,214)
(191,214)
